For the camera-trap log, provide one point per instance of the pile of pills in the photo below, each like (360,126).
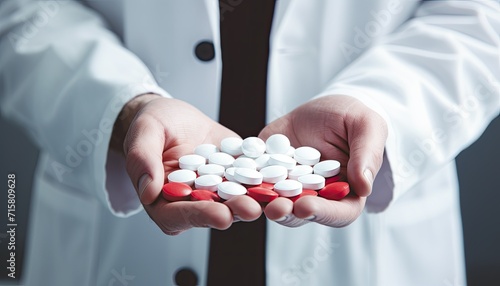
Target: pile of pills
(261,170)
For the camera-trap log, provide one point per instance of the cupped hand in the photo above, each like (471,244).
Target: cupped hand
(161,131)
(341,128)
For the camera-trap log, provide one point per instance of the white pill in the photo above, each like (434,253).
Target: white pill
(288,188)
(253,147)
(205,150)
(291,151)
(277,144)
(231,146)
(327,168)
(262,161)
(306,155)
(312,181)
(247,176)
(229,174)
(300,170)
(244,162)
(282,160)
(207,182)
(191,162)
(227,190)
(222,159)
(182,176)
(211,169)
(273,174)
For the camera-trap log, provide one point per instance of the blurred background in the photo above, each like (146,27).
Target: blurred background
(478,169)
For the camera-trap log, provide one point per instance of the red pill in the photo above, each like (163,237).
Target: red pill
(267,186)
(304,193)
(262,195)
(335,191)
(333,179)
(204,195)
(174,191)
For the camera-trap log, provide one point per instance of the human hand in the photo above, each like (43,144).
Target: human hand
(341,128)
(161,131)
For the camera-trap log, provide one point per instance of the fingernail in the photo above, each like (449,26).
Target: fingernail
(281,219)
(312,217)
(144,181)
(236,218)
(368,175)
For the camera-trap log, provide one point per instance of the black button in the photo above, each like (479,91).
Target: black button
(205,51)
(186,277)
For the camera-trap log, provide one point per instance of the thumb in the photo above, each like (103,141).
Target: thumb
(143,151)
(367,136)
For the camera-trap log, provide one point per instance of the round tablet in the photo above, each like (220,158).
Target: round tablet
(306,155)
(207,182)
(245,162)
(312,181)
(253,147)
(247,176)
(333,179)
(335,191)
(205,150)
(288,188)
(176,192)
(277,144)
(262,195)
(291,151)
(231,146)
(273,174)
(303,194)
(211,169)
(182,176)
(262,161)
(227,190)
(204,195)
(299,170)
(327,168)
(229,174)
(221,158)
(191,162)
(282,160)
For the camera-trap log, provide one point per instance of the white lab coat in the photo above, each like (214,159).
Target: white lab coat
(430,69)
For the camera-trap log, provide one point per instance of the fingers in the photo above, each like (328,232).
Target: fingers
(367,135)
(315,209)
(173,218)
(143,150)
(280,210)
(328,212)
(244,208)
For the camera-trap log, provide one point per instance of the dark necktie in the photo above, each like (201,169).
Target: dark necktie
(237,255)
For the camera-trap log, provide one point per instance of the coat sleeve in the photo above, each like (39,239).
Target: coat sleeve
(436,81)
(64,77)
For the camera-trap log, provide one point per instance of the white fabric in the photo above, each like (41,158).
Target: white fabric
(431,69)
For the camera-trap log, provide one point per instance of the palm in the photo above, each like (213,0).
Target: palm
(165,130)
(337,126)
